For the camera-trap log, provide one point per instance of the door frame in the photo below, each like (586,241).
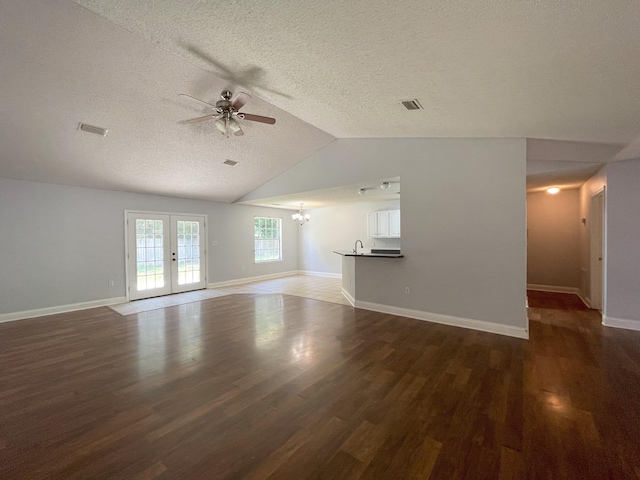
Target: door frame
(169,214)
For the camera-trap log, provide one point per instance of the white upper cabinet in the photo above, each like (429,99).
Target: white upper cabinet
(394,223)
(372,224)
(384,224)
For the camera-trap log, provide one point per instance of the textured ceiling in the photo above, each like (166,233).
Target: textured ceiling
(62,64)
(323,69)
(542,69)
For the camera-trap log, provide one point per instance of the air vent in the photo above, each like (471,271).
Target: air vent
(412,104)
(231,163)
(92,129)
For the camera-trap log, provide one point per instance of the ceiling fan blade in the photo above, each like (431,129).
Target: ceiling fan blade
(199,119)
(196,99)
(239,100)
(258,118)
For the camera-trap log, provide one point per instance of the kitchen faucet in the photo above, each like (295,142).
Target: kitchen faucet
(355,250)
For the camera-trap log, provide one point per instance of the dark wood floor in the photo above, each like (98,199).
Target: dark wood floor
(560,301)
(272,386)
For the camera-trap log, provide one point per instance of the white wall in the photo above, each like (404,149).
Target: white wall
(463,221)
(337,228)
(61,245)
(553,239)
(623,243)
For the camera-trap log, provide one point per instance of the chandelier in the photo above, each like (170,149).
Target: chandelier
(300,216)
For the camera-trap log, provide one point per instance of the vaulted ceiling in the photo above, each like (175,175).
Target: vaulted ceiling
(324,69)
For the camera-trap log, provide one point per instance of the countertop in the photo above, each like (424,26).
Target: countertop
(349,253)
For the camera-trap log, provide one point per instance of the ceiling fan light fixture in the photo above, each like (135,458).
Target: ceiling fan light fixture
(233,125)
(221,124)
(226,115)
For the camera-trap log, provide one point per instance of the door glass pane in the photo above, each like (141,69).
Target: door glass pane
(188,252)
(149,254)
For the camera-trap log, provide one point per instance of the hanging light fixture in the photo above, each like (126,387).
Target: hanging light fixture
(228,124)
(221,124)
(300,216)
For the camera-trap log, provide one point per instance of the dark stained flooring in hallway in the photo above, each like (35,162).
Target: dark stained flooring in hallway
(271,386)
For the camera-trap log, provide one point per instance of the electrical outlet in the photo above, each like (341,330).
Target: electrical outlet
(111,283)
(214,242)
(407,291)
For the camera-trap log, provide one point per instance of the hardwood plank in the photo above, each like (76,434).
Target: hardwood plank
(272,386)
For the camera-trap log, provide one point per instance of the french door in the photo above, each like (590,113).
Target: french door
(166,254)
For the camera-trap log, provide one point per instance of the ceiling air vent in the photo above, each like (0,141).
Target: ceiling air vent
(411,104)
(231,163)
(92,129)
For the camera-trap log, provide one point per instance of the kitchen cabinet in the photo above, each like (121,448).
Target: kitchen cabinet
(394,223)
(384,224)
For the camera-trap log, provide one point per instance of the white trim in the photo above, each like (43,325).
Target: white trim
(257,278)
(620,323)
(349,298)
(40,312)
(585,300)
(518,332)
(319,274)
(552,288)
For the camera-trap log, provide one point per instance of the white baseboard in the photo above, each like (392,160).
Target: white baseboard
(620,323)
(585,300)
(319,274)
(470,323)
(553,288)
(349,298)
(260,278)
(40,312)
(257,278)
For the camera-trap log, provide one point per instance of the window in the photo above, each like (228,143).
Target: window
(268,239)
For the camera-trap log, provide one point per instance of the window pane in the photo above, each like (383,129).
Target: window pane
(267,239)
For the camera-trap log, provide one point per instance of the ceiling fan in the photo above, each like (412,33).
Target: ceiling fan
(226,113)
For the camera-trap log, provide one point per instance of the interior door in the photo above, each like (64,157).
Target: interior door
(166,254)
(597,251)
